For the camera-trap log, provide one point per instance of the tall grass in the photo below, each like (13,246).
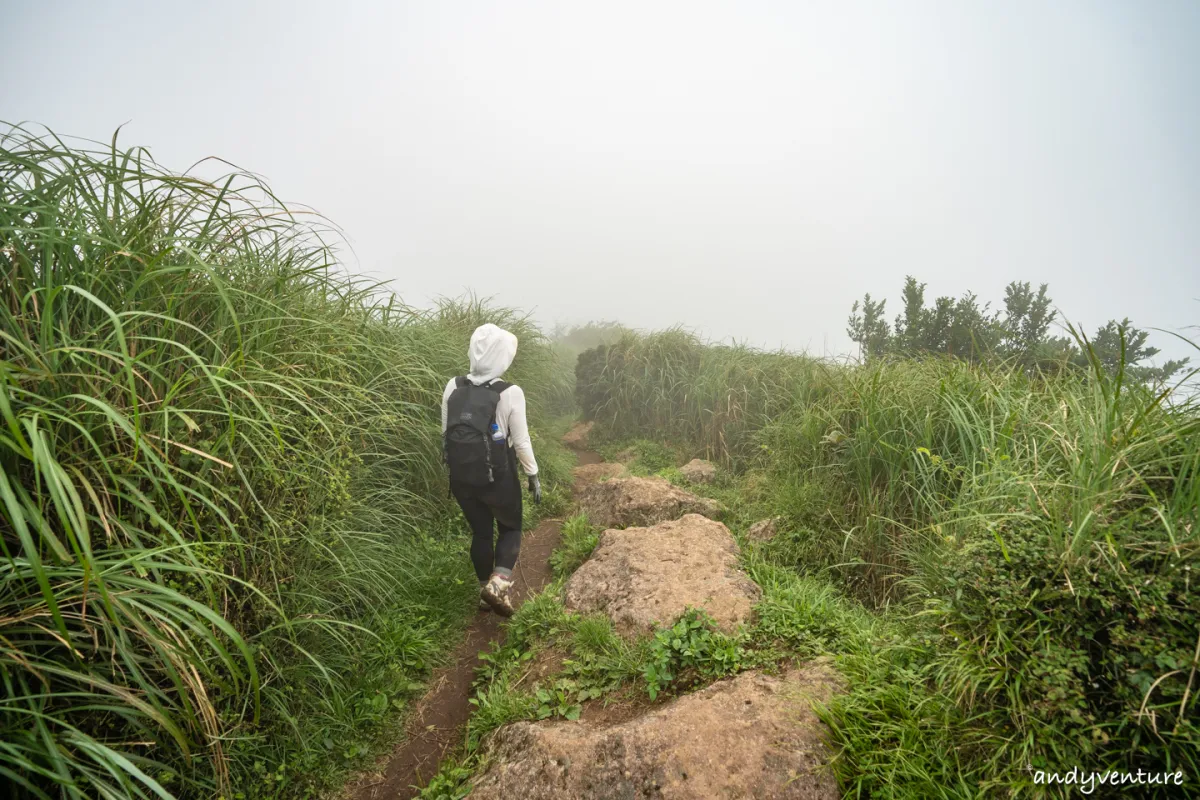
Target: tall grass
(1040,534)
(226,544)
(670,384)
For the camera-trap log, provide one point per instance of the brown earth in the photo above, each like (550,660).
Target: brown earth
(439,717)
(595,473)
(699,471)
(754,736)
(643,578)
(626,456)
(577,437)
(640,501)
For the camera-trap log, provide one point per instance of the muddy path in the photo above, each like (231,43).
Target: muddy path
(439,718)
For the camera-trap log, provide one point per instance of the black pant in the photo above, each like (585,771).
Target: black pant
(500,502)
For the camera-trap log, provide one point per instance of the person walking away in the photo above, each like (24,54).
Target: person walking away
(485,433)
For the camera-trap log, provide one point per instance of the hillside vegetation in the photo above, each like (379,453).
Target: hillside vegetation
(229,561)
(1026,540)
(228,553)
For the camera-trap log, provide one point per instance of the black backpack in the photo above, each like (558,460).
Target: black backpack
(472,455)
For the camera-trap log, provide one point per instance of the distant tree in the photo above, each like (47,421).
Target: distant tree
(960,328)
(869,329)
(1118,343)
(911,324)
(571,340)
(1027,319)
(973,331)
(965,329)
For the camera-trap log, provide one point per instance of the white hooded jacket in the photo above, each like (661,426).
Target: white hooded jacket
(492,352)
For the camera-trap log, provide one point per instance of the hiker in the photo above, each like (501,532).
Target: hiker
(484,433)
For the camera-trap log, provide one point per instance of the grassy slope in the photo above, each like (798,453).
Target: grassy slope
(1029,545)
(227,552)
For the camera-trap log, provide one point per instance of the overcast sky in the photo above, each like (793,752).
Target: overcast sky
(744,168)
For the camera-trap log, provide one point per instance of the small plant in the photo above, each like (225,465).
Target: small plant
(579,539)
(693,644)
(564,699)
(453,782)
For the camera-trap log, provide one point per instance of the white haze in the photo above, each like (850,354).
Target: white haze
(747,169)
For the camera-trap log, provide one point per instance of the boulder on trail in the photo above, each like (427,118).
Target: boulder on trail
(595,473)
(754,736)
(644,578)
(764,529)
(641,501)
(699,471)
(577,437)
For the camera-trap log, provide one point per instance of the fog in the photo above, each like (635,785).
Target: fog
(747,169)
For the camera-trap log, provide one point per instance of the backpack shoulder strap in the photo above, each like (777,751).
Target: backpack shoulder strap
(460,381)
(498,386)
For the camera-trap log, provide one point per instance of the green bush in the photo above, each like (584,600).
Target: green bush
(693,647)
(709,399)
(227,546)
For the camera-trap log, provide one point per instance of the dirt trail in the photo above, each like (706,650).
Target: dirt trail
(752,735)
(437,726)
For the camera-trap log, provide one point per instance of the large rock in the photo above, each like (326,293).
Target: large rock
(644,578)
(755,736)
(577,437)
(699,471)
(764,530)
(641,501)
(595,473)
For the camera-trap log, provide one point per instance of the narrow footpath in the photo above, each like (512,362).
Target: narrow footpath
(440,718)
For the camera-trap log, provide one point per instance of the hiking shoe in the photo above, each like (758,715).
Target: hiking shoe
(498,594)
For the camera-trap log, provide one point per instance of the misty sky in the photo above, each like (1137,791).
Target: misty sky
(747,169)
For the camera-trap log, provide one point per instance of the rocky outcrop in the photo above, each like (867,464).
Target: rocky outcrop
(644,578)
(595,473)
(764,529)
(641,501)
(699,471)
(754,736)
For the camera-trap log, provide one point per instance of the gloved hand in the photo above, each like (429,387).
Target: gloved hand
(535,488)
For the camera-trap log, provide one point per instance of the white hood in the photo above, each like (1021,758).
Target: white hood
(492,352)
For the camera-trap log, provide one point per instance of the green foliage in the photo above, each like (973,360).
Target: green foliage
(452,781)
(641,456)
(1017,336)
(602,661)
(560,700)
(570,341)
(869,329)
(1118,347)
(810,616)
(670,387)
(1031,538)
(567,342)
(228,553)
(579,539)
(693,648)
